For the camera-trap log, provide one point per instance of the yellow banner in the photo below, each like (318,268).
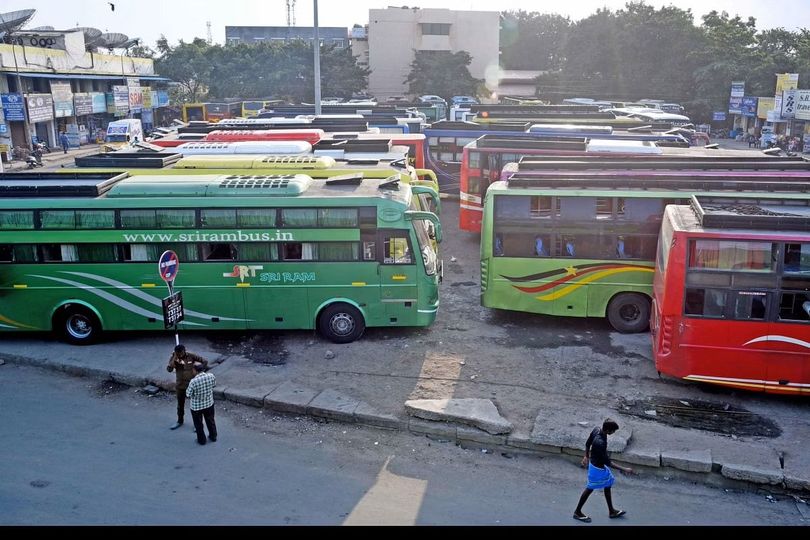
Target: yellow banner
(764,105)
(786,81)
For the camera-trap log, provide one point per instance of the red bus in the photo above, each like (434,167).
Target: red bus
(732,293)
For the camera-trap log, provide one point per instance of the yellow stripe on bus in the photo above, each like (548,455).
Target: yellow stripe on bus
(358,283)
(565,291)
(148,285)
(16,286)
(243,284)
(399,278)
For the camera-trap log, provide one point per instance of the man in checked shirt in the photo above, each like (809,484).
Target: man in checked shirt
(200,392)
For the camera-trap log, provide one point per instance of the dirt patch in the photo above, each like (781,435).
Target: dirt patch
(717,417)
(110,386)
(261,348)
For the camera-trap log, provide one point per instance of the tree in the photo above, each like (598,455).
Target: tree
(188,65)
(442,73)
(533,41)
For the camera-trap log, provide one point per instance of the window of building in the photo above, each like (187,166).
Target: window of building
(435,29)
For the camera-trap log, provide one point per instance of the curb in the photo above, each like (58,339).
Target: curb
(287,397)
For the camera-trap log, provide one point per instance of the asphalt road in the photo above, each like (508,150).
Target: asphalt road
(76,451)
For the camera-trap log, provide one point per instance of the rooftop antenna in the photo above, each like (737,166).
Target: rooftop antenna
(209,38)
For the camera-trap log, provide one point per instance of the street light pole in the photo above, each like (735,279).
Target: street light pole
(317,47)
(19,87)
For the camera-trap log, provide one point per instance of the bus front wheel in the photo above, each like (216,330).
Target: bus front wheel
(629,313)
(78,325)
(341,323)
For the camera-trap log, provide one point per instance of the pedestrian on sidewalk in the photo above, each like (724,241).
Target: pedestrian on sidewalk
(63,140)
(201,393)
(182,363)
(599,475)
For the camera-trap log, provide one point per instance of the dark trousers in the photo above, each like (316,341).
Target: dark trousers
(210,422)
(181,404)
(65,148)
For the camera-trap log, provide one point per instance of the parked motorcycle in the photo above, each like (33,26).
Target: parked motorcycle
(34,159)
(42,146)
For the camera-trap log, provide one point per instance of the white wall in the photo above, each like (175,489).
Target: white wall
(394,33)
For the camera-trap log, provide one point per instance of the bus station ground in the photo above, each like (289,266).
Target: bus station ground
(507,382)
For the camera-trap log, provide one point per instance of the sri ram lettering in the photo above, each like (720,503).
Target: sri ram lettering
(287,277)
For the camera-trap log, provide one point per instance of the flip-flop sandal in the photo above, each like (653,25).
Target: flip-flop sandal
(584,518)
(618,513)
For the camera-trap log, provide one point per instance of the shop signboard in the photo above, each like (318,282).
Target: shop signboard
(789,103)
(62,98)
(83,104)
(133,81)
(120,99)
(147,98)
(719,116)
(135,98)
(163,98)
(737,88)
(40,107)
(802,105)
(764,104)
(748,106)
(737,93)
(99,102)
(13,107)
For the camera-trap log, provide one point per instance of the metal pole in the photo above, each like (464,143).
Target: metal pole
(20,88)
(317,48)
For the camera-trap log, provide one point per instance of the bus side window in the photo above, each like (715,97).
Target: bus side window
(750,306)
(396,250)
(794,306)
(705,302)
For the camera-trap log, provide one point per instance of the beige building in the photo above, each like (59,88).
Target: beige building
(394,33)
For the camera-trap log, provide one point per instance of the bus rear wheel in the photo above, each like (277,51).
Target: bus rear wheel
(629,313)
(78,325)
(341,323)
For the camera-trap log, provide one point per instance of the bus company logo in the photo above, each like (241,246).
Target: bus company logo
(242,272)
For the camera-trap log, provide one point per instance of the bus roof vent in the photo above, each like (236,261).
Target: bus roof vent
(392,182)
(296,162)
(769,214)
(346,180)
(272,184)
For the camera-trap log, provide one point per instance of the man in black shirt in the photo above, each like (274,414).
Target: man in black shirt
(599,475)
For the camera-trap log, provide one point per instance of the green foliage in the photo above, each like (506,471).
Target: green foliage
(264,70)
(533,41)
(640,51)
(442,73)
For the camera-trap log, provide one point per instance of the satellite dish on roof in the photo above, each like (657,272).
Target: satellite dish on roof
(14,20)
(91,36)
(42,29)
(112,40)
(130,43)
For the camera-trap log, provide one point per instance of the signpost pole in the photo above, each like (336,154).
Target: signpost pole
(168,267)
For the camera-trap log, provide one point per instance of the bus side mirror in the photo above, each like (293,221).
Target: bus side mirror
(427,189)
(412,215)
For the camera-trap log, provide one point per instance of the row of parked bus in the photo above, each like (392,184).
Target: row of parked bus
(335,230)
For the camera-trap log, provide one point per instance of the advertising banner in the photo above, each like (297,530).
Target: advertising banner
(163,98)
(735,105)
(40,107)
(719,116)
(83,104)
(135,98)
(786,81)
(99,102)
(764,104)
(748,106)
(789,103)
(13,107)
(62,98)
(147,98)
(120,100)
(802,105)
(737,88)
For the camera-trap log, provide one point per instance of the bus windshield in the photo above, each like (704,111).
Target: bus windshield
(425,235)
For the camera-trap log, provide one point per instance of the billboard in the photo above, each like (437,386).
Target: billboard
(789,103)
(764,105)
(83,104)
(40,107)
(62,95)
(748,106)
(13,107)
(802,111)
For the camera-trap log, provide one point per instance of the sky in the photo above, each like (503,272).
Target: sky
(186,19)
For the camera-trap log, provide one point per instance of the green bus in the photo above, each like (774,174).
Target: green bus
(78,253)
(585,246)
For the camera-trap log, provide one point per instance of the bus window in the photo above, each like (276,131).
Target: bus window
(710,303)
(797,258)
(300,251)
(750,306)
(219,252)
(397,250)
(728,255)
(795,306)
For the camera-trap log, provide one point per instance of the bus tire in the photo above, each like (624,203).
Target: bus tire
(341,323)
(77,325)
(629,313)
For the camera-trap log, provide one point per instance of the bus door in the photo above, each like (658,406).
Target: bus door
(398,275)
(790,334)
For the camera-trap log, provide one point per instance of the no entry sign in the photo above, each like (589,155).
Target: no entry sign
(168,266)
